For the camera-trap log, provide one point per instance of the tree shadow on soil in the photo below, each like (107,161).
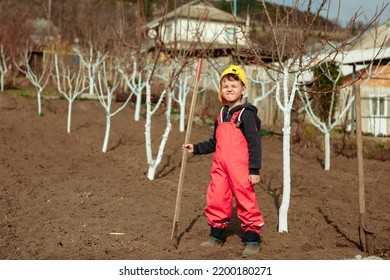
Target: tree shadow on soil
(170,167)
(321,162)
(275,193)
(167,168)
(122,140)
(84,125)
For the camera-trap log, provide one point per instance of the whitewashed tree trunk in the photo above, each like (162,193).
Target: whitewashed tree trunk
(148,137)
(107,133)
(181,100)
(284,206)
(138,101)
(69,84)
(150,111)
(183,84)
(3,67)
(105,90)
(136,88)
(327,149)
(154,163)
(92,63)
(69,116)
(38,80)
(288,100)
(324,127)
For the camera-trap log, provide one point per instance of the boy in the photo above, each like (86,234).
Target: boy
(236,163)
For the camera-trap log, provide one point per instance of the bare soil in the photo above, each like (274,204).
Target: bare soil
(62,198)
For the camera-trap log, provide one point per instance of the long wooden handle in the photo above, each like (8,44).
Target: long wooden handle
(184,155)
(359,144)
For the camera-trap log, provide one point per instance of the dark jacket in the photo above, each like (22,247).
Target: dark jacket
(250,127)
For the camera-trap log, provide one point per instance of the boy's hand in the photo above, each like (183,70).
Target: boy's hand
(254,179)
(188,147)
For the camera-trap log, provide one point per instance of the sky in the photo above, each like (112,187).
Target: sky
(347,8)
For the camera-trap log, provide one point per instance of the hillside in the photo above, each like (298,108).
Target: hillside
(77,19)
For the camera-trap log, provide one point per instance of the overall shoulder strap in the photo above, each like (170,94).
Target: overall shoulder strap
(237,117)
(220,118)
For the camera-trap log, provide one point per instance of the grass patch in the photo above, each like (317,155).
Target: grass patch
(26,93)
(380,145)
(367,151)
(264,132)
(210,123)
(175,111)
(310,133)
(273,228)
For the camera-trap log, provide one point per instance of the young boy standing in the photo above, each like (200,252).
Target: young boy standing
(236,163)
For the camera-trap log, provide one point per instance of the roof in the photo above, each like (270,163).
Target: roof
(361,58)
(43,32)
(373,45)
(364,55)
(375,37)
(42,26)
(199,10)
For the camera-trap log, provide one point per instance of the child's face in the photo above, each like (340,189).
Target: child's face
(232,90)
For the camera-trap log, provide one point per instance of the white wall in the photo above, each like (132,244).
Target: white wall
(188,29)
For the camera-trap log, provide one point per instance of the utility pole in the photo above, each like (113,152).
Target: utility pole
(49,12)
(235,15)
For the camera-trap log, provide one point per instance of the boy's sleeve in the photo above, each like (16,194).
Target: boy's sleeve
(251,125)
(208,146)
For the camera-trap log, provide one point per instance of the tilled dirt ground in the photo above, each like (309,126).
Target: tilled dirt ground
(62,198)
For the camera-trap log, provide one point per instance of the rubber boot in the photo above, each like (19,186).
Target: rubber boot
(216,238)
(212,243)
(251,249)
(252,243)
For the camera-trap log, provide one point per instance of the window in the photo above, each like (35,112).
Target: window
(378,111)
(169,32)
(378,106)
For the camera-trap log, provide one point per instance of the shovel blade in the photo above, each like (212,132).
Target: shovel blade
(367,238)
(174,238)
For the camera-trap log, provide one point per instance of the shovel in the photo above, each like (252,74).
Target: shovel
(366,237)
(175,227)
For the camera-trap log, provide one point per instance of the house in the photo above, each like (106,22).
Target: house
(43,34)
(373,79)
(197,27)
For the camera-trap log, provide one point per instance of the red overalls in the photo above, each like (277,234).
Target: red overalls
(229,177)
